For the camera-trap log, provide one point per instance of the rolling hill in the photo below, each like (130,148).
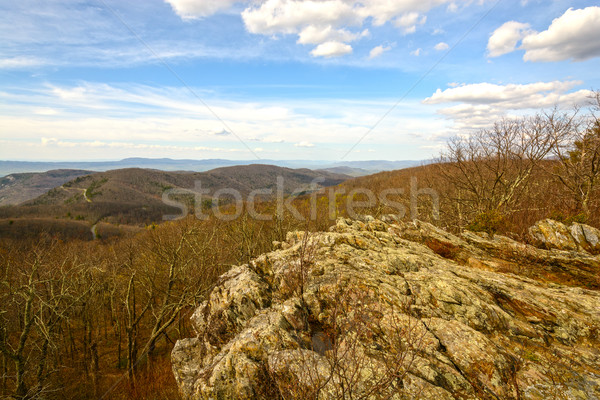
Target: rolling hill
(133,196)
(19,188)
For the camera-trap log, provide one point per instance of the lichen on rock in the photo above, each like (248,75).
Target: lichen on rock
(550,234)
(372,309)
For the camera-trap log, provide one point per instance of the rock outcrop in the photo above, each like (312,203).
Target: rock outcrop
(398,310)
(550,234)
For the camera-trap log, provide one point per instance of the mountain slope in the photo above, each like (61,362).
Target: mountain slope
(18,188)
(144,185)
(134,196)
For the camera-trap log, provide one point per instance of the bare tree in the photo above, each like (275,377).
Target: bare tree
(38,294)
(177,278)
(579,156)
(490,169)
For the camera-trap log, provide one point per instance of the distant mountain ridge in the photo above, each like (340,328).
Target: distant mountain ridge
(167,164)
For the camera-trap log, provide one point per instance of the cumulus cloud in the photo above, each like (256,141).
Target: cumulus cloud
(481,104)
(317,22)
(331,49)
(189,9)
(289,16)
(573,35)
(441,46)
(416,52)
(504,39)
(408,22)
(379,50)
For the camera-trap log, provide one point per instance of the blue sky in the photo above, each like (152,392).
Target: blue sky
(281,79)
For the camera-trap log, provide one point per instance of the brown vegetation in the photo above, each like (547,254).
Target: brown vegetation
(97,319)
(134,196)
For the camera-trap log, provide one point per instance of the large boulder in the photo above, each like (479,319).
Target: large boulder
(587,237)
(551,234)
(398,310)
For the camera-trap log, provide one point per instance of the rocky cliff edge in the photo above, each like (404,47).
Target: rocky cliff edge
(396,310)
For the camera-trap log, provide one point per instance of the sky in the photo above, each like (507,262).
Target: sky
(282,79)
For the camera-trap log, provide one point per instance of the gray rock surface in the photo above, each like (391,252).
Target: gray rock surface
(402,311)
(550,234)
(587,237)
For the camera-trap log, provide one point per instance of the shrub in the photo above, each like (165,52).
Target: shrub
(567,219)
(489,222)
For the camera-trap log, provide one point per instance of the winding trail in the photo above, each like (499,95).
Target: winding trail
(85,196)
(84,192)
(94,232)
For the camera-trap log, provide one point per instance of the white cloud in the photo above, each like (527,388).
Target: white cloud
(408,22)
(331,49)
(417,52)
(304,144)
(317,35)
(45,111)
(489,93)
(480,104)
(290,16)
(321,21)
(20,62)
(188,9)
(441,46)
(504,39)
(379,50)
(573,35)
(384,10)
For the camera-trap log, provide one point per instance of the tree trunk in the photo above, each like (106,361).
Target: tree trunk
(20,386)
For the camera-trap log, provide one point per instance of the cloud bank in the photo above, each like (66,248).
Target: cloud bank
(480,104)
(330,25)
